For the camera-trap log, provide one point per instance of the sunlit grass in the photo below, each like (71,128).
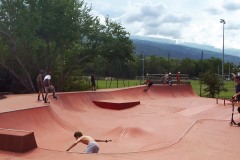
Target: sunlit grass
(229,85)
(103,84)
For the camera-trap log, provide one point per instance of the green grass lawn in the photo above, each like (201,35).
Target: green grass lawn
(229,85)
(102,84)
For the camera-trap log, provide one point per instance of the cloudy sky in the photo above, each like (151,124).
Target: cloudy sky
(195,21)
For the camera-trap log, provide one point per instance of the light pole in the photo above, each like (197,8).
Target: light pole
(223,22)
(168,62)
(142,67)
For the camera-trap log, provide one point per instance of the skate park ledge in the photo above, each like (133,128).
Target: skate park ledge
(17,140)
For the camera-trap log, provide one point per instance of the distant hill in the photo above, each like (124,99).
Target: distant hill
(163,48)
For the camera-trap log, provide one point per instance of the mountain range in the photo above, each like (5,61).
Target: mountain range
(168,48)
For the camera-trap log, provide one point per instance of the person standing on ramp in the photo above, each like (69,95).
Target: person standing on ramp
(149,84)
(93,83)
(39,79)
(48,87)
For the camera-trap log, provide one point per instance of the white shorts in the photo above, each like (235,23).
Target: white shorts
(92,148)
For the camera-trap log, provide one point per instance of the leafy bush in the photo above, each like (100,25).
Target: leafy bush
(213,82)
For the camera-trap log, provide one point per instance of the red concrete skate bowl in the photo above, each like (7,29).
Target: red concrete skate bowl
(170,122)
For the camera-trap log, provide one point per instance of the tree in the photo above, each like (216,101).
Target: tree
(213,82)
(13,24)
(116,47)
(59,36)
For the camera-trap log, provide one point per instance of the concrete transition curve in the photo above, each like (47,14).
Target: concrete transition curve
(166,122)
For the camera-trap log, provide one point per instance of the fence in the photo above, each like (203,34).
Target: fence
(159,78)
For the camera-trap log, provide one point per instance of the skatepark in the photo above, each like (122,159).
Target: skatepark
(166,122)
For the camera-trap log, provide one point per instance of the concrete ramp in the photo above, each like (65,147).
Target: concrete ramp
(170,122)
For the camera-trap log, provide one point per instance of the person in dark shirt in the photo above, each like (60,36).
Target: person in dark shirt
(149,84)
(237,87)
(93,84)
(40,85)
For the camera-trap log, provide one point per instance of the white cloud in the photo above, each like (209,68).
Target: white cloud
(232,5)
(153,20)
(182,20)
(214,11)
(176,18)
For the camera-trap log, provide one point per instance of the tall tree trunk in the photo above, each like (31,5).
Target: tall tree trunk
(13,46)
